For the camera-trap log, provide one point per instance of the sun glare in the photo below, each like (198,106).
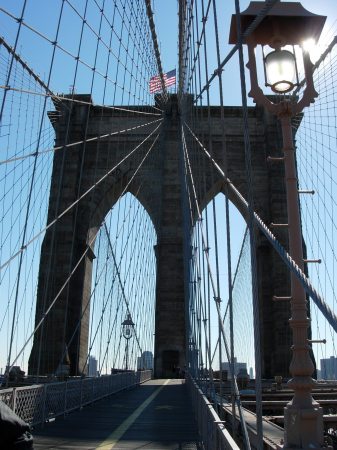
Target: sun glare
(313,49)
(309,45)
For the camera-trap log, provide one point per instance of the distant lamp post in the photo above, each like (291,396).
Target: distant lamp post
(127,329)
(288,24)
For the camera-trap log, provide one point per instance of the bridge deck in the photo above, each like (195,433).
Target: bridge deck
(154,416)
(272,433)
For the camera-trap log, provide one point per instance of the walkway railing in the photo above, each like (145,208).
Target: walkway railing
(212,431)
(38,403)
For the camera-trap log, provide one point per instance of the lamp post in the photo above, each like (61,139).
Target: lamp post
(127,330)
(289,24)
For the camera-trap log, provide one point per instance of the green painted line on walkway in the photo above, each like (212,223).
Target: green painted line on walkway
(115,436)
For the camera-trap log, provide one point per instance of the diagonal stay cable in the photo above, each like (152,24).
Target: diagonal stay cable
(84,141)
(44,315)
(120,281)
(252,238)
(233,284)
(200,39)
(24,246)
(311,291)
(62,98)
(149,13)
(93,292)
(55,44)
(25,66)
(217,299)
(19,21)
(92,341)
(258,19)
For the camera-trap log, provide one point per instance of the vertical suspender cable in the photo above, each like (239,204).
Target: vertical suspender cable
(19,20)
(31,184)
(251,226)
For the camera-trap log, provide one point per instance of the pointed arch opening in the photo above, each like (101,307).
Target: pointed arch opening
(123,288)
(221,276)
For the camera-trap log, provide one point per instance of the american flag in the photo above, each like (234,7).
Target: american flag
(155,82)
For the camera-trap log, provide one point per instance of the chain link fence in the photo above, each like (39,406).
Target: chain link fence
(38,403)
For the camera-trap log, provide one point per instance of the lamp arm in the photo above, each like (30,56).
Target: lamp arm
(256,92)
(309,93)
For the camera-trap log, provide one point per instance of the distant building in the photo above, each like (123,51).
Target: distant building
(237,367)
(251,373)
(329,368)
(92,367)
(145,361)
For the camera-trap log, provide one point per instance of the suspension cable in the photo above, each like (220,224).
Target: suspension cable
(311,291)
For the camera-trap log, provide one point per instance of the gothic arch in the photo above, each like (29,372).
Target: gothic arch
(160,194)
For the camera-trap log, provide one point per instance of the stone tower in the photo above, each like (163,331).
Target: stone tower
(77,168)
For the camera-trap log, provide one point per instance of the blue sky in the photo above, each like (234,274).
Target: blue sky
(37,52)
(166,19)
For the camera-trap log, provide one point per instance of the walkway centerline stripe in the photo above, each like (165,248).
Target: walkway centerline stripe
(115,436)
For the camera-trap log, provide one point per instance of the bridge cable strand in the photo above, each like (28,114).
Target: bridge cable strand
(77,143)
(14,191)
(207,215)
(311,291)
(234,283)
(251,226)
(62,98)
(108,296)
(156,46)
(192,60)
(228,236)
(117,267)
(30,194)
(191,86)
(316,133)
(19,21)
(259,17)
(47,311)
(115,264)
(25,66)
(200,164)
(116,73)
(198,40)
(142,243)
(215,292)
(85,64)
(193,66)
(26,244)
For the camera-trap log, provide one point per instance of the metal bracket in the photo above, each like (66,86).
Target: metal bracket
(275,225)
(280,299)
(304,191)
(275,159)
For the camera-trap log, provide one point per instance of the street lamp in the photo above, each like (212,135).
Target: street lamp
(127,330)
(280,70)
(288,24)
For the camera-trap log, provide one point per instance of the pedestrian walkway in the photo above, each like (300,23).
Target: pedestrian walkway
(154,416)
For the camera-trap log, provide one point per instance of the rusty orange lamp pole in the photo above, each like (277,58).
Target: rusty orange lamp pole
(288,25)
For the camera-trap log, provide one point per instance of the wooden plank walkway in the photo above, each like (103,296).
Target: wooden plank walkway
(154,416)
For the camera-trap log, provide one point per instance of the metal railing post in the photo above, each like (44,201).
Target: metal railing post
(65,399)
(14,400)
(81,392)
(43,416)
